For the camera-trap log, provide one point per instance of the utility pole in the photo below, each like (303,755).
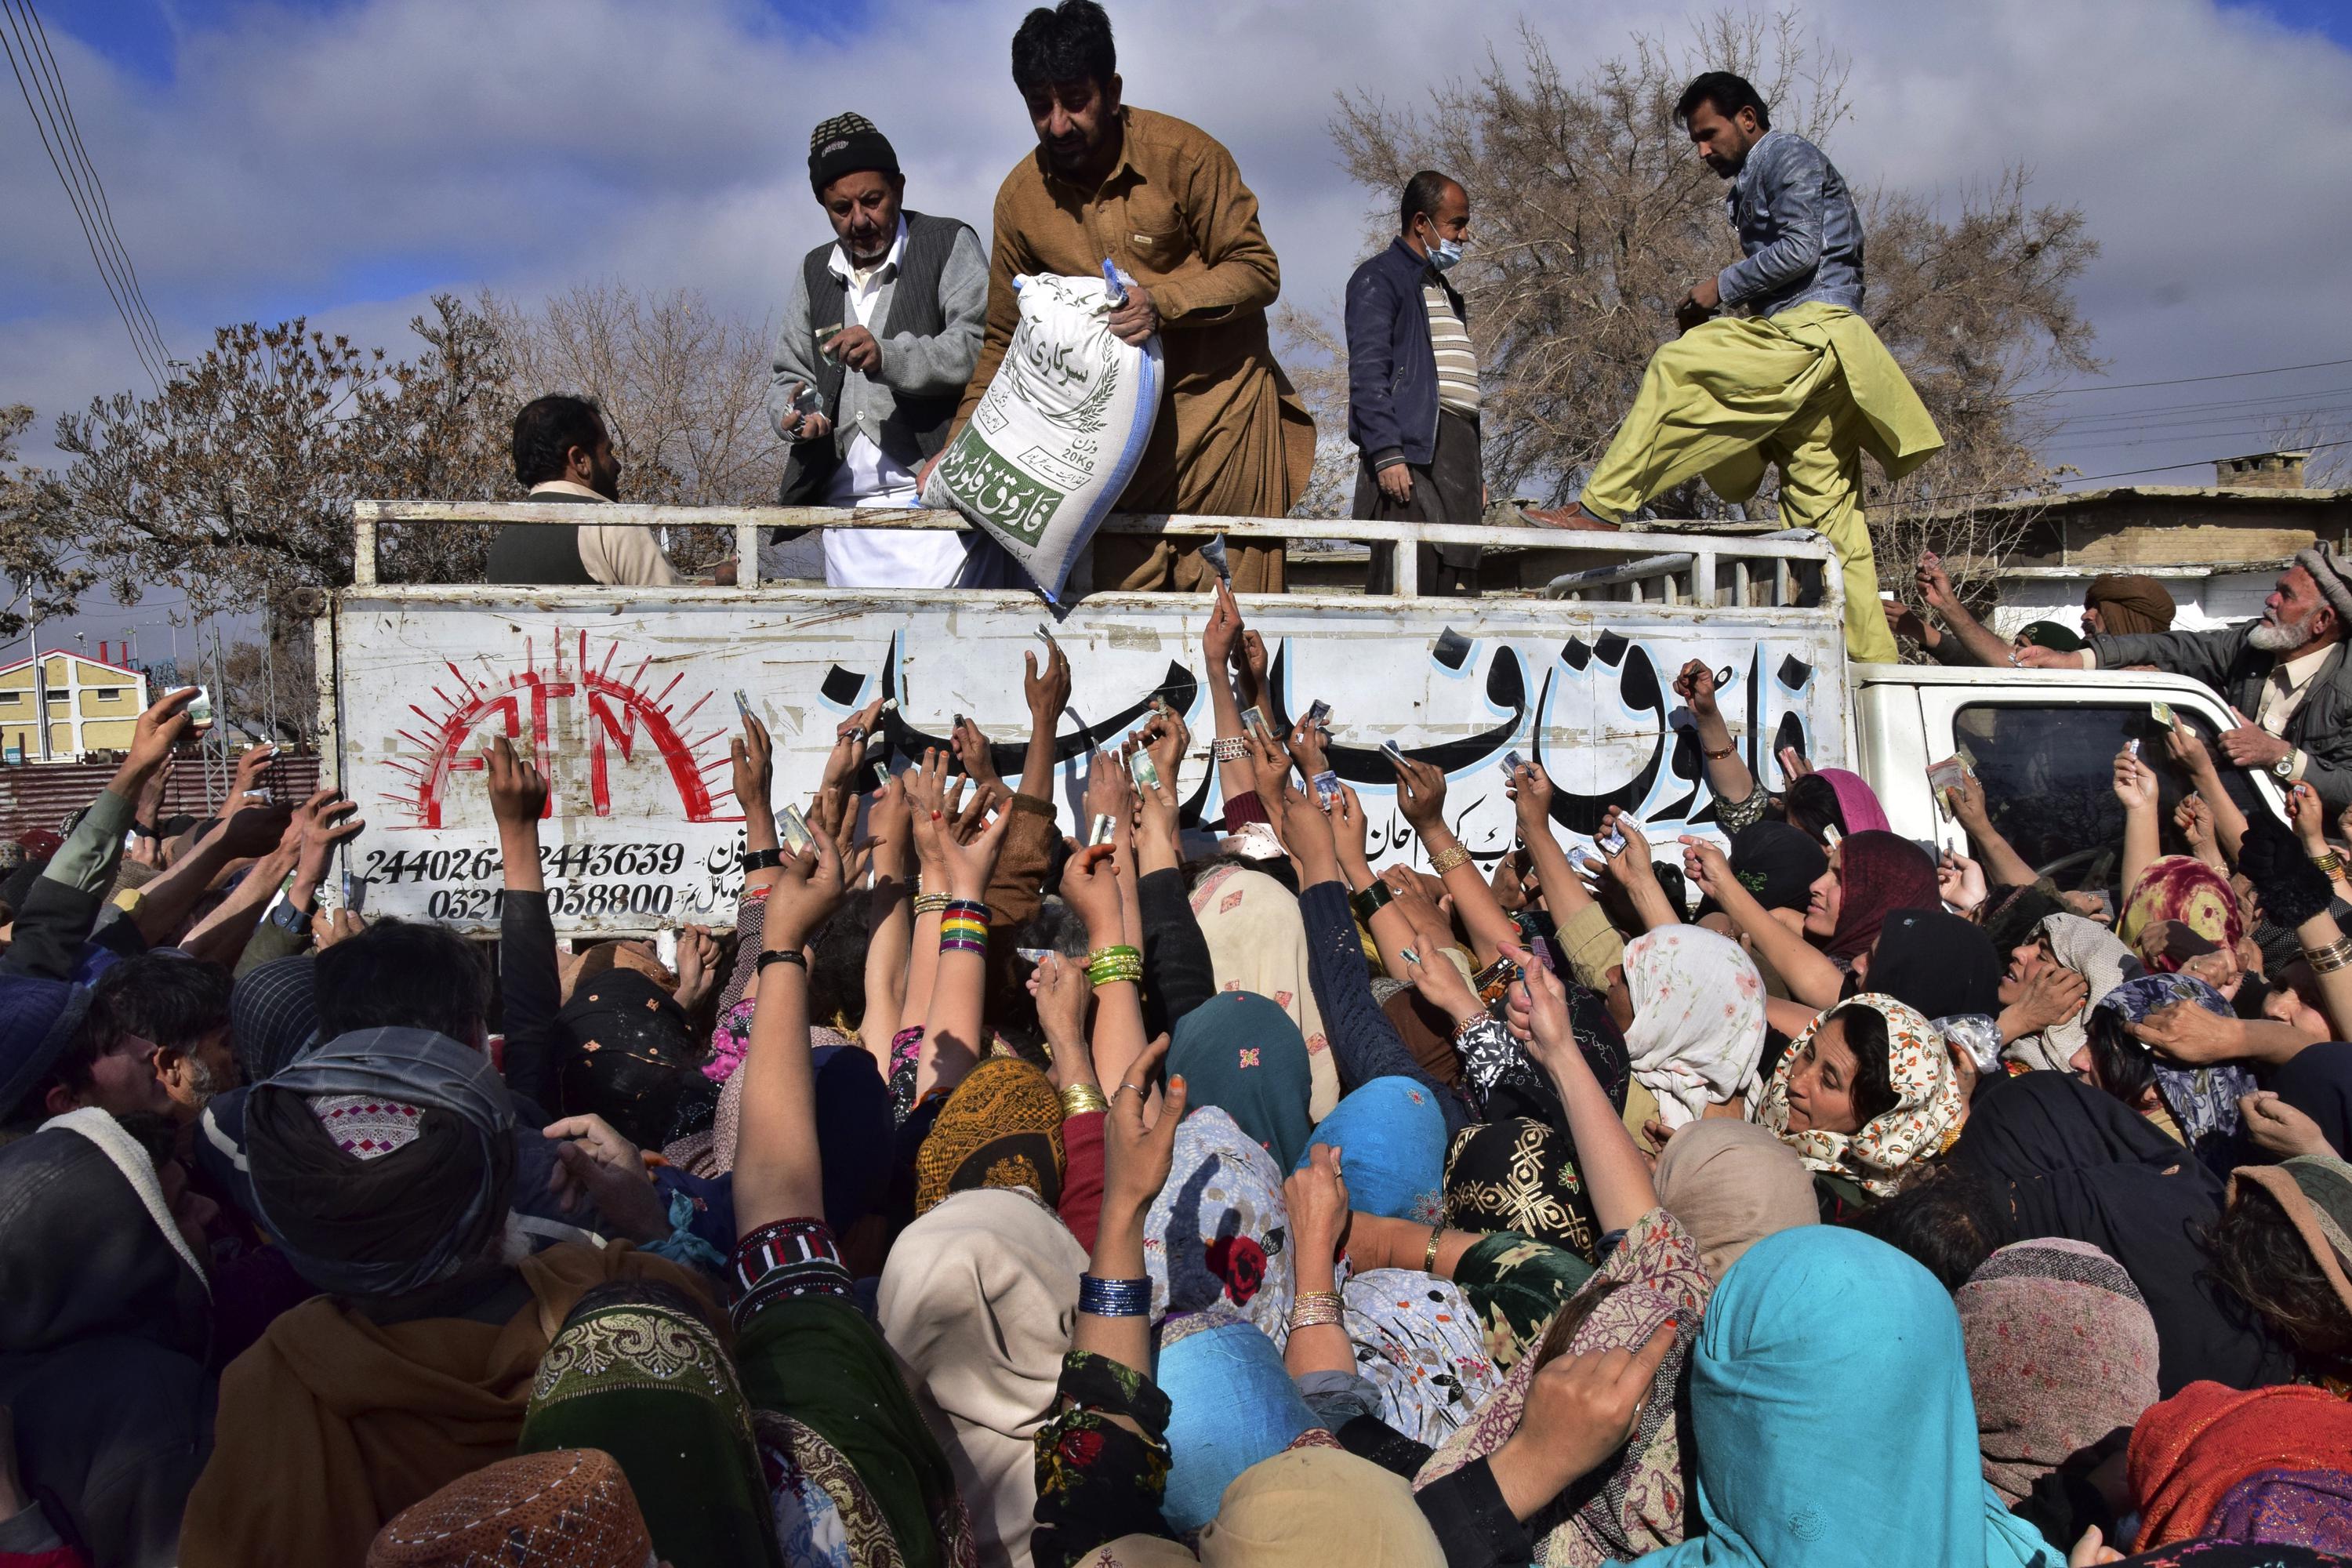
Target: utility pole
(40,690)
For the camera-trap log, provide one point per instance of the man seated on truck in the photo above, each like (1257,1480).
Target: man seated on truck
(2283,675)
(1164,201)
(564,453)
(1800,381)
(883,326)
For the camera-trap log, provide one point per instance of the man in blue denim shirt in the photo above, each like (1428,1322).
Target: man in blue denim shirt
(1800,383)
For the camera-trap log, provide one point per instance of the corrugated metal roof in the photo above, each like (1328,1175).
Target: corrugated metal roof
(44,794)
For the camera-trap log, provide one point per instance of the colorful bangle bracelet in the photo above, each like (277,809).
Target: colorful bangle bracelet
(1114,1297)
(971,906)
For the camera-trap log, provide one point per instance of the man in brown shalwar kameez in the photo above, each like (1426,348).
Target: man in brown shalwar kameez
(1165,201)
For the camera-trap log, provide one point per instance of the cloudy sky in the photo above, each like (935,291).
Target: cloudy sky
(344,158)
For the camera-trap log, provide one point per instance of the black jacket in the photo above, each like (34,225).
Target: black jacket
(1391,369)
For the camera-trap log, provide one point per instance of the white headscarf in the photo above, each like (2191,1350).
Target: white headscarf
(979,1299)
(1699,1019)
(2100,957)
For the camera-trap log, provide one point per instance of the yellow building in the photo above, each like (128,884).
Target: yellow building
(93,706)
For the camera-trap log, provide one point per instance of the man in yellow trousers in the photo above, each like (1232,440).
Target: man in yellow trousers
(1800,381)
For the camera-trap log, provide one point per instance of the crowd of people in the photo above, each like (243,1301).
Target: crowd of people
(1192,1193)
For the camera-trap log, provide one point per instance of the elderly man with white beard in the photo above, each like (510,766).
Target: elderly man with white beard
(2284,675)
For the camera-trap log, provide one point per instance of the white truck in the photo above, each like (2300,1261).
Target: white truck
(627,698)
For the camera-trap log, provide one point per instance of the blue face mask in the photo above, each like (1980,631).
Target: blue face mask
(1444,253)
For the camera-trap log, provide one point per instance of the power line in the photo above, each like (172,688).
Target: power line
(106,211)
(117,285)
(2207,409)
(2186,380)
(2119,474)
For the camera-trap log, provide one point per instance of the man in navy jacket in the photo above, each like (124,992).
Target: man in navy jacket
(1412,385)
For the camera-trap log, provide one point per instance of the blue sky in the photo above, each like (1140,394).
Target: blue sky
(340,159)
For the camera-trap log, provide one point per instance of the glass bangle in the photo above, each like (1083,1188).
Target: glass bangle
(1114,1297)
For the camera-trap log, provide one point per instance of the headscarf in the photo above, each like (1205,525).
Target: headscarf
(2093,952)
(623,1051)
(1307,1505)
(2051,635)
(1796,1416)
(2203,1101)
(1730,1183)
(979,1299)
(2188,1453)
(2062,1351)
(1636,1501)
(88,1246)
(1778,863)
(1232,1405)
(1219,1230)
(2072,1161)
(1877,874)
(1420,1342)
(273,1016)
(571,1509)
(1936,963)
(1857,802)
(2292,1507)
(2011,914)
(1519,1176)
(2129,604)
(637,1372)
(2316,1193)
(1001,1128)
(1257,942)
(2181,888)
(355,1224)
(37,1021)
(1929,1107)
(1698,1018)
(1391,1139)
(1240,1052)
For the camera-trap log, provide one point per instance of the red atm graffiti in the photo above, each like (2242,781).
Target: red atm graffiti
(623,714)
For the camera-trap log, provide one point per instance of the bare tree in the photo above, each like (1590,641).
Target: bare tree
(235,483)
(683,389)
(1592,215)
(44,579)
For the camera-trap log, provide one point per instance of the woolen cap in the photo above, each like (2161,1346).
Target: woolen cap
(844,144)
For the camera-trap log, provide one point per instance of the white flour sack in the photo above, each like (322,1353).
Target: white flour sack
(1058,432)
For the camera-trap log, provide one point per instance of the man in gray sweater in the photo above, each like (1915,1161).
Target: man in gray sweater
(880,331)
(2284,675)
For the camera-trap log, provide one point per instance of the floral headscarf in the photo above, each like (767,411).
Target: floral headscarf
(1698,1018)
(1640,1501)
(2203,1101)
(1929,1106)
(1257,942)
(2181,888)
(1219,1230)
(1420,1343)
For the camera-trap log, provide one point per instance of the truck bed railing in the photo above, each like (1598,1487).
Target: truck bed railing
(1687,568)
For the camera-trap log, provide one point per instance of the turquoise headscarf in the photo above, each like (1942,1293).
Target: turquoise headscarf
(1833,1420)
(1231,1404)
(1392,1141)
(1240,1052)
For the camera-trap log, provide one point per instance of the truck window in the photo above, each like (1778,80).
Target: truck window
(2048,782)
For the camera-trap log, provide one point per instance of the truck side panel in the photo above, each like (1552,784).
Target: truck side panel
(628,703)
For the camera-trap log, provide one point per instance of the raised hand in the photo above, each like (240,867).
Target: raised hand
(753,759)
(1421,793)
(1138,1149)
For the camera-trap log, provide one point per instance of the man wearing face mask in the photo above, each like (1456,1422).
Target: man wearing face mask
(880,333)
(1799,382)
(1412,385)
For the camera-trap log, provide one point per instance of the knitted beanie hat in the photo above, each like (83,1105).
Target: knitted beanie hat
(2329,571)
(844,144)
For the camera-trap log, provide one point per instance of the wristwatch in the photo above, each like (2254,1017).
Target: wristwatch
(2284,769)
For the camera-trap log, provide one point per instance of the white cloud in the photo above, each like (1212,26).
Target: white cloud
(294,163)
